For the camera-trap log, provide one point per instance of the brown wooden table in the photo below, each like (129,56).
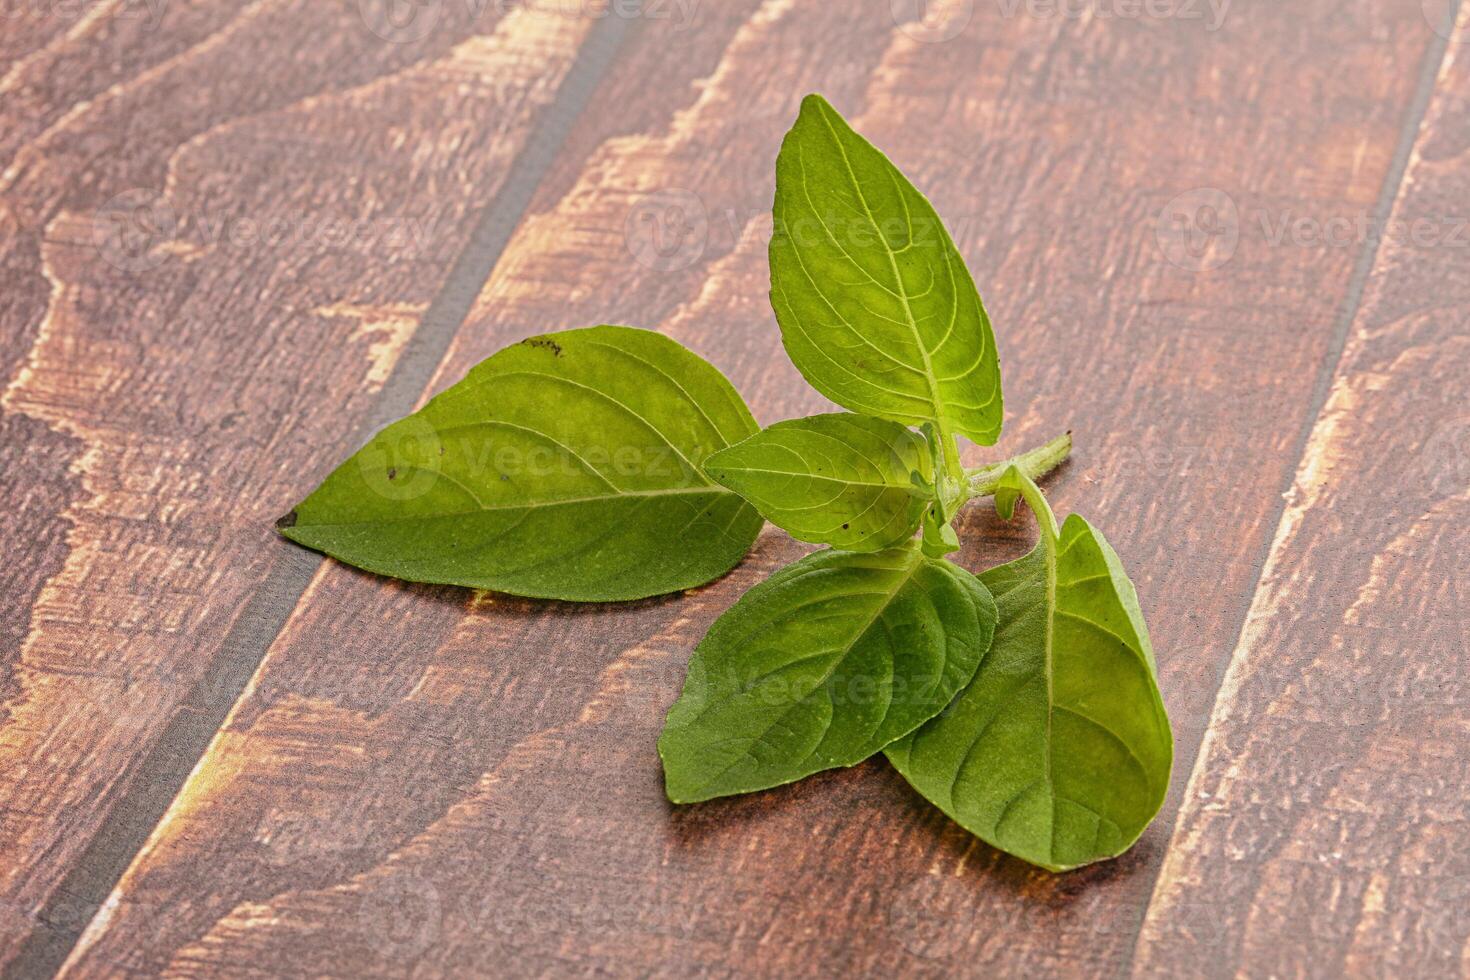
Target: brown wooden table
(1228,245)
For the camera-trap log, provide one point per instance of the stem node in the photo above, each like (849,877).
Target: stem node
(1035,463)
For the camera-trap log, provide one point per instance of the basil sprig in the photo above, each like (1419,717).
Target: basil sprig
(610,464)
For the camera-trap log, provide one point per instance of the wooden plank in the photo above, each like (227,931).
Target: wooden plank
(314,184)
(421,781)
(1326,830)
(57,56)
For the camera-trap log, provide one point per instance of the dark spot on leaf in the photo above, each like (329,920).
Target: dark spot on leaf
(845,527)
(392,472)
(288,521)
(550,345)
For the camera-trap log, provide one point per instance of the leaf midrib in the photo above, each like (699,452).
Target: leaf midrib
(705,489)
(1050,543)
(903,294)
(807,474)
(906,576)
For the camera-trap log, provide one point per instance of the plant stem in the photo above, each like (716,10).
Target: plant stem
(954,481)
(1035,463)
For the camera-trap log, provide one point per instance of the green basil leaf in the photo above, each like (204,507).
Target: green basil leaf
(844,480)
(820,666)
(876,307)
(1059,750)
(566,466)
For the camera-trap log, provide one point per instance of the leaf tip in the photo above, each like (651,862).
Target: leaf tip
(813,102)
(675,791)
(286,521)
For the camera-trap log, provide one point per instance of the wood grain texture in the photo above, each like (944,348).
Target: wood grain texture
(317,182)
(420,780)
(57,57)
(1331,802)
